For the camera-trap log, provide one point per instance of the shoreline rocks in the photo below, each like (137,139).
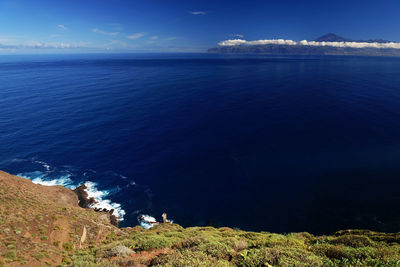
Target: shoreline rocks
(87,203)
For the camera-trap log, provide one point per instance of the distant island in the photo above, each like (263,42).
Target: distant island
(329,44)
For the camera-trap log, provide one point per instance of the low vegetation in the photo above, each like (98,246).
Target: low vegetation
(39,228)
(172,245)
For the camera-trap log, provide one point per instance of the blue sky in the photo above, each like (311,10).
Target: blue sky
(62,26)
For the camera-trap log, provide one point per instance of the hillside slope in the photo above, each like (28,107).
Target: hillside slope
(44,226)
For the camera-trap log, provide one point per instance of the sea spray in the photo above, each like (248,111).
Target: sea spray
(147,221)
(53,176)
(102,202)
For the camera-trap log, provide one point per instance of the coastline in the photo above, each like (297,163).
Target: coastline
(47,225)
(291,50)
(85,201)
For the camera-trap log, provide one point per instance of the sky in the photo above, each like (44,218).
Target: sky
(71,26)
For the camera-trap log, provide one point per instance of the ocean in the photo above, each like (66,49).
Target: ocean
(263,143)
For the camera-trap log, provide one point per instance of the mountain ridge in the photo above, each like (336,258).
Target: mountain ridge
(328,44)
(332,37)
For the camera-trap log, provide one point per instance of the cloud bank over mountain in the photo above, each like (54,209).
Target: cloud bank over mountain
(347,44)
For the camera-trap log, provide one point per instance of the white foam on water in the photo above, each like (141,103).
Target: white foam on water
(63,180)
(44,164)
(42,178)
(102,202)
(37,177)
(145,221)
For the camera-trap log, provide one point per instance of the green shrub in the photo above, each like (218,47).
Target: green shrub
(353,241)
(192,241)
(215,249)
(18,231)
(252,257)
(80,260)
(340,252)
(39,255)
(148,242)
(67,260)
(331,251)
(68,246)
(292,256)
(174,234)
(188,258)
(254,240)
(11,255)
(240,245)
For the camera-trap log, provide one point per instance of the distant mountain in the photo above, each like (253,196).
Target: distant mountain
(309,48)
(331,37)
(381,41)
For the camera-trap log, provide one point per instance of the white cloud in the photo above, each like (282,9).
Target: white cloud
(62,27)
(42,45)
(310,43)
(154,38)
(61,45)
(258,42)
(96,30)
(197,13)
(237,35)
(170,38)
(136,35)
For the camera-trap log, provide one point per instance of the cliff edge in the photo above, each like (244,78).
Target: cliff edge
(45,226)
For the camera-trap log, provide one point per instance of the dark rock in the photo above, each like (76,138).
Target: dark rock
(84,200)
(113,220)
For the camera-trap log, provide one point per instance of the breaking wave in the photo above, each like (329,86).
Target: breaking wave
(146,221)
(66,176)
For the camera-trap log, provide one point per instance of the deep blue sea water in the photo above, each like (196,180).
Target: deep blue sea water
(256,142)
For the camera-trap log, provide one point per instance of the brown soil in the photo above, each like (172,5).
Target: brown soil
(44,224)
